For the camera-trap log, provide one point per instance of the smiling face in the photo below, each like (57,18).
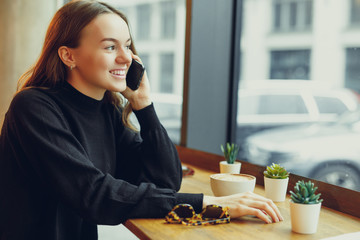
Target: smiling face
(103,57)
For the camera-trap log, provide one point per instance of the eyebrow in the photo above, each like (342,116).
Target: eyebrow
(113,40)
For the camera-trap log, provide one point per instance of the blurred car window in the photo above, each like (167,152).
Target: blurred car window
(330,105)
(281,104)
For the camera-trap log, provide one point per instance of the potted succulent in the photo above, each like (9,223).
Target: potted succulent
(276,180)
(305,208)
(230,165)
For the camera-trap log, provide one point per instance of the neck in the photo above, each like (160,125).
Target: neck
(85,88)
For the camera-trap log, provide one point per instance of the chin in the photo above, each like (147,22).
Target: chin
(118,88)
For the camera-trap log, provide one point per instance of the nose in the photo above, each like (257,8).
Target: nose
(123,57)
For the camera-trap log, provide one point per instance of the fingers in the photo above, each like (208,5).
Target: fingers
(258,213)
(267,208)
(267,205)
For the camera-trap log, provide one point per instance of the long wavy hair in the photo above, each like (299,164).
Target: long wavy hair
(64,30)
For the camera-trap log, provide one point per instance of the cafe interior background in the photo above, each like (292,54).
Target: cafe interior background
(281,78)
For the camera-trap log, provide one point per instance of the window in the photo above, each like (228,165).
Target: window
(167,73)
(291,64)
(308,132)
(168,20)
(352,72)
(143,22)
(355,12)
(205,131)
(292,15)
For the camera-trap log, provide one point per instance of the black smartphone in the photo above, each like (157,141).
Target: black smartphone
(134,75)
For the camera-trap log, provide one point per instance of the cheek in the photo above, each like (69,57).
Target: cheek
(96,64)
(102,63)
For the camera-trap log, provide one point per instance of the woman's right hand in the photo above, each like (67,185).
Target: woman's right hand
(141,97)
(248,203)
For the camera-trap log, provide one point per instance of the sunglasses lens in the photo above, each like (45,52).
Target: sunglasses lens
(184,212)
(212,212)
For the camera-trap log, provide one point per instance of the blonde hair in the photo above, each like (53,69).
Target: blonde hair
(64,30)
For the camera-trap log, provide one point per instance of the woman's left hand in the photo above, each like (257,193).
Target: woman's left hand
(248,203)
(140,98)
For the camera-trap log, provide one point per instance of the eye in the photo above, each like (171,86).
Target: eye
(110,48)
(127,47)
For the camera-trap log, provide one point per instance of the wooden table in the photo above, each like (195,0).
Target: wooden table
(331,223)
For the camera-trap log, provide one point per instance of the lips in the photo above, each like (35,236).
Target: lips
(118,72)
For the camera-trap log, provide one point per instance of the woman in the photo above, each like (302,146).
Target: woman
(70,159)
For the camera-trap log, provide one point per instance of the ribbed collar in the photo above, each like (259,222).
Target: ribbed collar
(79,100)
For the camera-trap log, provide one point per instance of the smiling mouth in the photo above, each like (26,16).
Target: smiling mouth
(118,72)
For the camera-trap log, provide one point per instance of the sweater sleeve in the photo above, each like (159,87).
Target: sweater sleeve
(151,157)
(59,160)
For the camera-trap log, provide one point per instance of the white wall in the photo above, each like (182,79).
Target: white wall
(23,25)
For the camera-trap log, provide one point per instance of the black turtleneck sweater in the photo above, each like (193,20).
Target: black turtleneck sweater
(67,163)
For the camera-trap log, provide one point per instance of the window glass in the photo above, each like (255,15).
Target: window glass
(167,73)
(277,16)
(352,71)
(308,14)
(281,104)
(290,64)
(330,105)
(158,29)
(143,17)
(168,19)
(292,15)
(355,12)
(298,98)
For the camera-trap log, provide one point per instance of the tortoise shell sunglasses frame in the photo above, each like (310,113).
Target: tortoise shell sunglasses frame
(185,214)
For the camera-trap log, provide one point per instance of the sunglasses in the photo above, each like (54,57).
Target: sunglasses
(185,214)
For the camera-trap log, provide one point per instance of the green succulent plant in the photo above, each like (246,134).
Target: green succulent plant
(230,152)
(305,193)
(276,171)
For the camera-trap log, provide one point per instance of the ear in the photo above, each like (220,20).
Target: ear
(67,57)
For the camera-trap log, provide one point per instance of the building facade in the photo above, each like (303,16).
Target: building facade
(302,39)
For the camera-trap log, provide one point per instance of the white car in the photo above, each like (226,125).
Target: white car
(276,103)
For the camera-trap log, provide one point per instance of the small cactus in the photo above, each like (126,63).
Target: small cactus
(230,152)
(305,193)
(276,171)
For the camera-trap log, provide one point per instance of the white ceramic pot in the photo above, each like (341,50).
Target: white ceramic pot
(275,189)
(304,217)
(230,168)
(224,184)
